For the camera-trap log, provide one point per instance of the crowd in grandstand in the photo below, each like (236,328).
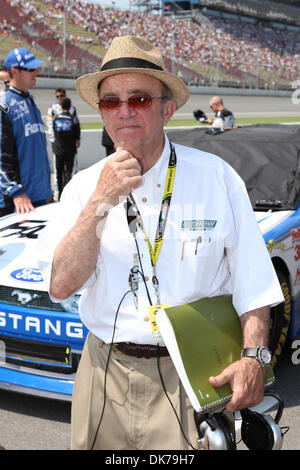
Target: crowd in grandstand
(230,45)
(234,43)
(283,11)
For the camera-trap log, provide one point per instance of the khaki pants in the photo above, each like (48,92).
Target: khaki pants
(138,415)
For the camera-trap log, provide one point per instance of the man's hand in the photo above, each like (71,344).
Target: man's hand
(247,379)
(23,204)
(246,376)
(120,175)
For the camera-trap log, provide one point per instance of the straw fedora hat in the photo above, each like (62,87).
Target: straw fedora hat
(131,54)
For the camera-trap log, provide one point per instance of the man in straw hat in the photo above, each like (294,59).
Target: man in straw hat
(133,233)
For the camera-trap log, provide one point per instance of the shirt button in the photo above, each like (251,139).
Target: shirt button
(144,199)
(159,185)
(146,319)
(146,278)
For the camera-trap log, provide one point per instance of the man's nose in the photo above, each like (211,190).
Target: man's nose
(125,109)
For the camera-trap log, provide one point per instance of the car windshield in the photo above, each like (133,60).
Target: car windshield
(267,157)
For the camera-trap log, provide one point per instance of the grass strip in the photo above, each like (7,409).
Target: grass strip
(194,123)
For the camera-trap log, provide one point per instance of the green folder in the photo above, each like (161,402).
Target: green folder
(203,338)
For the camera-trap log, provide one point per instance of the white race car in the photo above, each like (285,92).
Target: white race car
(40,341)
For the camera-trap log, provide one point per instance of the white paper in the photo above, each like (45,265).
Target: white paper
(169,338)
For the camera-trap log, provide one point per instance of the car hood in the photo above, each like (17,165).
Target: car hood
(269,220)
(18,237)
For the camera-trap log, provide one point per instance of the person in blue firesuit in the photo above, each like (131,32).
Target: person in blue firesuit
(25,181)
(66,130)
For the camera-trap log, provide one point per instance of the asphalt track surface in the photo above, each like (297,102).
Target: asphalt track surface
(241,106)
(30,423)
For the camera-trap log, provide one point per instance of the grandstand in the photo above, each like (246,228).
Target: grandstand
(255,44)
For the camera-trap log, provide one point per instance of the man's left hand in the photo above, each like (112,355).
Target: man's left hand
(23,204)
(247,379)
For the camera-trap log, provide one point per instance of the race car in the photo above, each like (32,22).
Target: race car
(41,341)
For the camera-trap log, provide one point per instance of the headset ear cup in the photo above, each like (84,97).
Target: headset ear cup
(256,431)
(215,431)
(224,424)
(279,402)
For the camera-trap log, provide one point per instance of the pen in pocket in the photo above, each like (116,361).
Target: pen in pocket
(197,242)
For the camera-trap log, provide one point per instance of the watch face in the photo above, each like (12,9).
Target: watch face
(265,356)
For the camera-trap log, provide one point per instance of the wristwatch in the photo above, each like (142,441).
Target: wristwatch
(260,353)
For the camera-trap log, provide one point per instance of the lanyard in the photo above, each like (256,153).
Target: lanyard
(162,219)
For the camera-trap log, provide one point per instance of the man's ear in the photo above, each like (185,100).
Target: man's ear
(12,72)
(169,110)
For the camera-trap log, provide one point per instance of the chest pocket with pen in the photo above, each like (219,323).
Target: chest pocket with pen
(199,262)
(196,247)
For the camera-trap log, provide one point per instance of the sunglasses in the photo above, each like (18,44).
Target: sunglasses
(60,96)
(136,102)
(27,70)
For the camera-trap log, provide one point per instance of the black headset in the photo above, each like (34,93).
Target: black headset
(259,431)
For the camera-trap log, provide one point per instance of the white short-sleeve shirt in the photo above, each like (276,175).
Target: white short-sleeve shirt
(212,245)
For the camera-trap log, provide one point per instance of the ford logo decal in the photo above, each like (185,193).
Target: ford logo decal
(27,275)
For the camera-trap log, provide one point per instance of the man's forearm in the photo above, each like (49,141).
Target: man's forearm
(255,327)
(76,255)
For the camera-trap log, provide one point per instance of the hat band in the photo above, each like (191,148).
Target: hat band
(129,62)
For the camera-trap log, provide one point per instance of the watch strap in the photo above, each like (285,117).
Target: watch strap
(250,352)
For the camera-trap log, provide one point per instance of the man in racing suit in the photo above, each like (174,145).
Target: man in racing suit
(53,111)
(66,129)
(24,167)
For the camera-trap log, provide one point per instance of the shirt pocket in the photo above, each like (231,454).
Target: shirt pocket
(200,259)
(194,248)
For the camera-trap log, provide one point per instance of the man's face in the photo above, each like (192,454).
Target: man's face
(135,128)
(24,79)
(4,80)
(214,106)
(60,95)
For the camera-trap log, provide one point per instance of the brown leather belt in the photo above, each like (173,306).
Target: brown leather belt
(141,350)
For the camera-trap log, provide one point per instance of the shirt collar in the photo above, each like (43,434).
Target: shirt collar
(19,92)
(161,163)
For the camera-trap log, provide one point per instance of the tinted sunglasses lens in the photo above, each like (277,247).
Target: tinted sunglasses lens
(135,102)
(109,103)
(27,70)
(140,102)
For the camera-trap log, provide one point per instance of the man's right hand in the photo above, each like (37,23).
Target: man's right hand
(23,204)
(120,175)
